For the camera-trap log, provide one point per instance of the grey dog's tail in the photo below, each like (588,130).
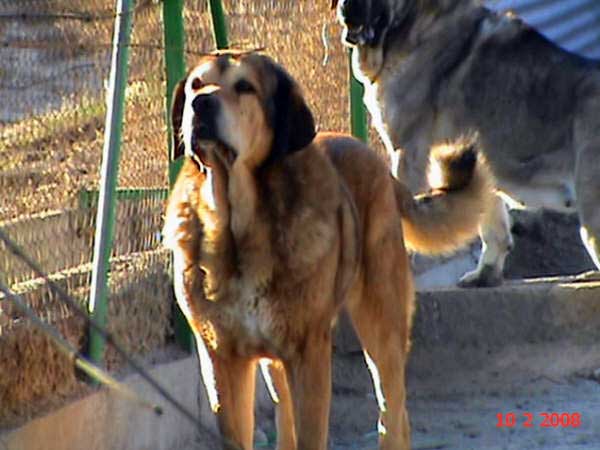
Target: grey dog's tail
(461,189)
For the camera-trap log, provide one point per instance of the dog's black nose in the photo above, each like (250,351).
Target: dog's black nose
(205,104)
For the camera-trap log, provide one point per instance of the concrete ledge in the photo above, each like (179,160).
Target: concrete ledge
(106,421)
(526,312)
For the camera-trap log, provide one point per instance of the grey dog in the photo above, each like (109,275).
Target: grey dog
(434,70)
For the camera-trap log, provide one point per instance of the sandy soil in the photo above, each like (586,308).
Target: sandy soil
(453,409)
(460,412)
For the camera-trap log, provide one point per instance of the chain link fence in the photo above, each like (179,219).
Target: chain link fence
(54,66)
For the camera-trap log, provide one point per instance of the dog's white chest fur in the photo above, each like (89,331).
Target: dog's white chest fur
(207,191)
(253,315)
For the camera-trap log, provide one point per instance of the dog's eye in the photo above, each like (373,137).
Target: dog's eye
(244,87)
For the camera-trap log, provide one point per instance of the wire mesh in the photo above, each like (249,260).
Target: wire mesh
(54,65)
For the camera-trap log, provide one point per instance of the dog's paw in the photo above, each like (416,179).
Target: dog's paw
(486,276)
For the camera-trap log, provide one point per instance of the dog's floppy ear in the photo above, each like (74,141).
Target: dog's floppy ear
(334,4)
(177,104)
(291,119)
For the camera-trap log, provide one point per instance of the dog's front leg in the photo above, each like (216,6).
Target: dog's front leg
(277,383)
(235,384)
(310,381)
(496,242)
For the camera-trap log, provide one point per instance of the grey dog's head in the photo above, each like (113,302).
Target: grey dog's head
(366,22)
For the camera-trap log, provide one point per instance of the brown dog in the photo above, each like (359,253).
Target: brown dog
(274,229)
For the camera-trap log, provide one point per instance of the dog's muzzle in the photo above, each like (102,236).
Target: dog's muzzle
(206,108)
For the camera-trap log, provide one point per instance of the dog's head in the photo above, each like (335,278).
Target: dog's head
(240,106)
(365,22)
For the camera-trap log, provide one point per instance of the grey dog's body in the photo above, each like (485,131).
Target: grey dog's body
(437,69)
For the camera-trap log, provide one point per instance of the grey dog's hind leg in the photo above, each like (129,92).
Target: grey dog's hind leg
(496,242)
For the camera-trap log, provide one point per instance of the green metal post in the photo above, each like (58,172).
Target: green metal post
(174,38)
(98,304)
(358,115)
(219,24)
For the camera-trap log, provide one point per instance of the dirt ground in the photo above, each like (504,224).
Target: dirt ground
(459,411)
(457,386)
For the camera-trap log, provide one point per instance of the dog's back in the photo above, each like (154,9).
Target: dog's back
(470,69)
(515,86)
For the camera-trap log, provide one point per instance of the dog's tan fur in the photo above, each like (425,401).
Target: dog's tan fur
(264,263)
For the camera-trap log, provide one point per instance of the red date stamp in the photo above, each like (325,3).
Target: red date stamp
(542,420)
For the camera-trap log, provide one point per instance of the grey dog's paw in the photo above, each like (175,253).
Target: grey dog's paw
(487,276)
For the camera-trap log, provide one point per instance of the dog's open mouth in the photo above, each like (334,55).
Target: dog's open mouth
(225,153)
(221,150)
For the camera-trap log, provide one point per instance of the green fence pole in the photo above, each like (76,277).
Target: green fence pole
(358,115)
(219,24)
(174,39)
(98,304)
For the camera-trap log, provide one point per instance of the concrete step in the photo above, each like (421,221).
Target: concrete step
(524,312)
